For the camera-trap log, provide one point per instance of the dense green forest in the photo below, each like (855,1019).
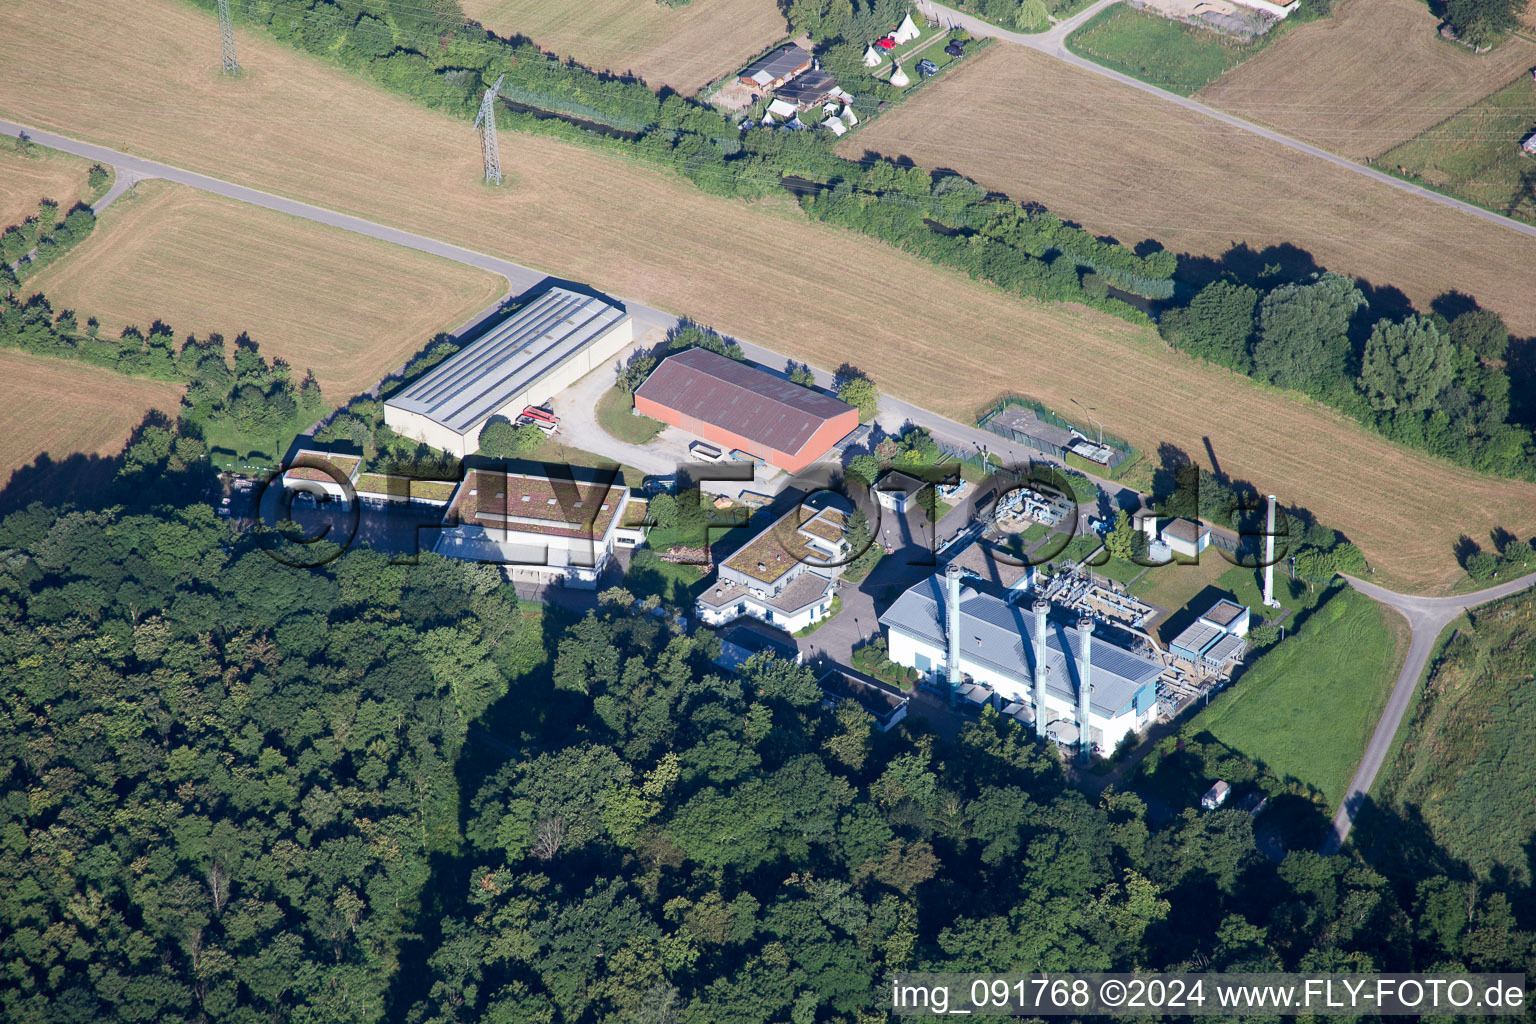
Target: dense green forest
(239,791)
(1408,377)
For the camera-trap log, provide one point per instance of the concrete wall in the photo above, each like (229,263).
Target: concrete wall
(419,428)
(1107,732)
(759,610)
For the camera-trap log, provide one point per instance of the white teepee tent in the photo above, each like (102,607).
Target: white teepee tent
(872,57)
(906,31)
(899,78)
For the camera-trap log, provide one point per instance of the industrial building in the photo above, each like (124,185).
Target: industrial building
(548,530)
(527,359)
(888,707)
(785,575)
(740,407)
(321,473)
(993,569)
(1068,684)
(778,67)
(1215,641)
(1175,537)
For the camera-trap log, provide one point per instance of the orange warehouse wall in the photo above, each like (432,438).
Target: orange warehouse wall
(828,434)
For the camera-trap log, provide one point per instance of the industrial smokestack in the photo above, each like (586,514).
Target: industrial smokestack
(952,574)
(1269,558)
(1084,688)
(1041,609)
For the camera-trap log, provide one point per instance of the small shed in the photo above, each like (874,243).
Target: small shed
(1216,795)
(1529,145)
(835,126)
(906,31)
(782,108)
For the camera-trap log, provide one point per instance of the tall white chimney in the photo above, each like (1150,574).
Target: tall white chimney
(952,575)
(1084,688)
(1269,558)
(1041,608)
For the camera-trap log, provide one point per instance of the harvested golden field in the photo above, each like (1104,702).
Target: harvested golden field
(296,127)
(682,47)
(58,407)
(44,174)
(1370,77)
(1127,164)
(348,307)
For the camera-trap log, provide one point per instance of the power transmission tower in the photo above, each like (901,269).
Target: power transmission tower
(486,122)
(227,36)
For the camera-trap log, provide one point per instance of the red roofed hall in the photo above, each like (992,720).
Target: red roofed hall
(738,406)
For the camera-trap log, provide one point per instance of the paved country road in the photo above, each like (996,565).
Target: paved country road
(1053,43)
(1427,618)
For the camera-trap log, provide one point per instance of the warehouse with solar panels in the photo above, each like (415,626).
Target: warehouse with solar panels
(526,359)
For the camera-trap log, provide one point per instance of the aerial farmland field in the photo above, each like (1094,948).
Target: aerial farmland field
(293,126)
(682,47)
(349,307)
(43,174)
(1373,75)
(1132,166)
(58,408)
(1474,153)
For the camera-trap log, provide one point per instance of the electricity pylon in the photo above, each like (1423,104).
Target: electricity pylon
(486,122)
(227,37)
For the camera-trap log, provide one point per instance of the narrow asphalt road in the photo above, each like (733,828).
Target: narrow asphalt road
(1053,43)
(1427,618)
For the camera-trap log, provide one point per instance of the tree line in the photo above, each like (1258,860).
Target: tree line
(238,791)
(245,398)
(1405,382)
(1424,381)
(27,247)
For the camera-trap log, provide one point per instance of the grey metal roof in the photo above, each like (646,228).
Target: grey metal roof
(779,63)
(997,634)
(1196,638)
(1185,530)
(477,381)
(742,399)
(811,87)
(1227,648)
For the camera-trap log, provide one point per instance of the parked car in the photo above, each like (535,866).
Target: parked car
(532,421)
(927,68)
(955,49)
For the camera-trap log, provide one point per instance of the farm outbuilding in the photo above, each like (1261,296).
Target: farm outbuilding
(736,406)
(777,68)
(527,359)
